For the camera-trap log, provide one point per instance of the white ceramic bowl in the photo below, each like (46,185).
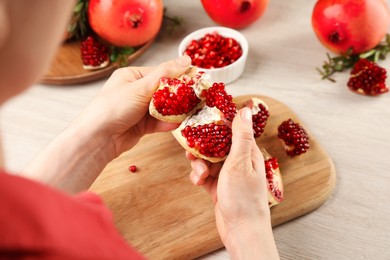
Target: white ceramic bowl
(228,73)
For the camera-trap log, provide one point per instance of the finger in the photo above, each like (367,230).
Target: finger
(257,159)
(190,156)
(172,68)
(154,125)
(200,168)
(125,75)
(214,169)
(242,139)
(195,179)
(136,73)
(209,184)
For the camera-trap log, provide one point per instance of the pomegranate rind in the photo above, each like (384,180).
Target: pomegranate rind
(199,85)
(278,182)
(101,66)
(214,116)
(254,105)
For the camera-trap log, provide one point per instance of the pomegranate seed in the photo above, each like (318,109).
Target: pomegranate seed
(213,51)
(132,168)
(294,137)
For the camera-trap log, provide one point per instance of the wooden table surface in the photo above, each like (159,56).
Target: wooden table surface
(284,52)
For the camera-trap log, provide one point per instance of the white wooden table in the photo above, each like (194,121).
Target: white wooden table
(353,129)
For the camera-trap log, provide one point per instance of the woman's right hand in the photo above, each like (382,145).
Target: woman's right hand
(238,190)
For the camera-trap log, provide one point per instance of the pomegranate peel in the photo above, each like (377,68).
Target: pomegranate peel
(176,98)
(260,114)
(206,134)
(274,179)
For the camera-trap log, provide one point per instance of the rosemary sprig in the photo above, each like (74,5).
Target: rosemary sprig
(172,23)
(78,25)
(347,60)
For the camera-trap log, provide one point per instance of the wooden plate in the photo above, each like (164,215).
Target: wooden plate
(67,69)
(164,216)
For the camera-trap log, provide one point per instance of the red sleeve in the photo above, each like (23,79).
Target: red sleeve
(39,222)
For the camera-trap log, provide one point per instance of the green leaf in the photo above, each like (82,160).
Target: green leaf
(79,6)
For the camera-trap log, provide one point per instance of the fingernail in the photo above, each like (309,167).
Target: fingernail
(194,179)
(184,61)
(199,170)
(246,115)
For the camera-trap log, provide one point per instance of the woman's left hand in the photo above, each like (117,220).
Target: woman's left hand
(112,123)
(119,112)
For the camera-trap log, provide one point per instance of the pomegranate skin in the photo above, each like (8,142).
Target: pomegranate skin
(125,23)
(344,24)
(235,13)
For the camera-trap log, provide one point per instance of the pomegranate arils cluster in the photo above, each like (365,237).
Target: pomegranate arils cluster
(274,179)
(259,120)
(181,102)
(368,78)
(94,54)
(271,165)
(213,51)
(295,138)
(211,140)
(216,96)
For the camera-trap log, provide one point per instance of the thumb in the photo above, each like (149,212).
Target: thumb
(242,139)
(170,69)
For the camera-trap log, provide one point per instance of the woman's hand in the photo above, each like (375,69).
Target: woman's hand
(238,189)
(119,112)
(112,123)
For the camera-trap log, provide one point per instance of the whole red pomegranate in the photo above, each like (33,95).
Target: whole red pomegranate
(344,24)
(235,13)
(126,22)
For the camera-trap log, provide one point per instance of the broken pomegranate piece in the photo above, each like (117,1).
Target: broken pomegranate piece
(274,179)
(176,98)
(260,115)
(294,137)
(94,55)
(216,96)
(367,78)
(206,134)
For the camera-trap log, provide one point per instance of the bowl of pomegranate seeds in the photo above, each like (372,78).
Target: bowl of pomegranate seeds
(219,51)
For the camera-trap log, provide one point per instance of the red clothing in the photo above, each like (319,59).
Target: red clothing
(39,222)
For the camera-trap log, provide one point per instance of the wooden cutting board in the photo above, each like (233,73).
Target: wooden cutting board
(164,216)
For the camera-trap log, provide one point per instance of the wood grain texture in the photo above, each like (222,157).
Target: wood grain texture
(67,68)
(159,211)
